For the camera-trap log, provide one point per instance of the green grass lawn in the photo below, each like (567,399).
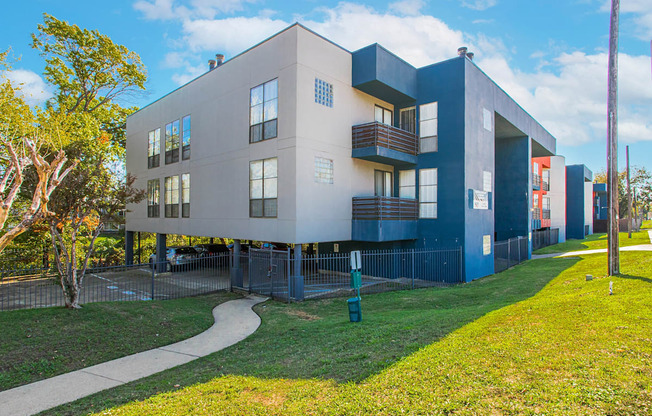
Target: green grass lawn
(571,349)
(315,340)
(647,224)
(595,241)
(41,343)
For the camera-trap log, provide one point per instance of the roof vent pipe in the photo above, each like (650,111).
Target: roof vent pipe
(470,55)
(461,51)
(220,59)
(211,64)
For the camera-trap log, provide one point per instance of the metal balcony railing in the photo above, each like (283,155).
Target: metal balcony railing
(546,214)
(536,214)
(377,134)
(384,208)
(545,186)
(536,181)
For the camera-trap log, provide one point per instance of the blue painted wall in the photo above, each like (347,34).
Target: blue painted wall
(575,178)
(513,196)
(600,191)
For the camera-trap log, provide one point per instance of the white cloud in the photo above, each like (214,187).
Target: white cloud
(407,7)
(204,9)
(31,85)
(479,4)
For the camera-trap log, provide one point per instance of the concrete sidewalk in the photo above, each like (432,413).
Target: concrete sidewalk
(234,321)
(639,247)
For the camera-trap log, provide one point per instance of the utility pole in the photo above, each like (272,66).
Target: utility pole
(629,197)
(612,142)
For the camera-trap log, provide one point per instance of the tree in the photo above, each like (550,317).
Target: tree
(641,180)
(90,73)
(20,140)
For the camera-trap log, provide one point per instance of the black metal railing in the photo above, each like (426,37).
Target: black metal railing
(536,181)
(544,238)
(377,134)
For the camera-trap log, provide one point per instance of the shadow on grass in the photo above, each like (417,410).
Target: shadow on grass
(314,339)
(641,278)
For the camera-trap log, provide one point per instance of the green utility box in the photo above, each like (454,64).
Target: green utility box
(355,311)
(356,279)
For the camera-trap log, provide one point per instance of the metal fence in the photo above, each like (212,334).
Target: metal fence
(36,288)
(267,272)
(544,238)
(276,273)
(510,253)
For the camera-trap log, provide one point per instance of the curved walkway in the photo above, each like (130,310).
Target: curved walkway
(234,321)
(639,247)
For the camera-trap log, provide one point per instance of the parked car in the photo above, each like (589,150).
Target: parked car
(208,250)
(275,246)
(178,256)
(244,248)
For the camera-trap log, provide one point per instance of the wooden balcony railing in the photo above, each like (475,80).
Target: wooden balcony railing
(382,135)
(384,208)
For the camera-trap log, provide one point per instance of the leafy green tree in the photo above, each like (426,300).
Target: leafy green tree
(91,75)
(22,138)
(640,180)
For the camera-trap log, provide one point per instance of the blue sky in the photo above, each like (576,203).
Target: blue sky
(550,56)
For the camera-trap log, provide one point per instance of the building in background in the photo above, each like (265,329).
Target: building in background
(579,201)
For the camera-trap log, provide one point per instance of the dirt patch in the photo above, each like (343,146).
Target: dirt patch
(303,315)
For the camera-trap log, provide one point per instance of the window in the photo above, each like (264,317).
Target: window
(172,196)
(323,93)
(383,183)
(428,193)
(263,185)
(545,177)
(172,142)
(263,111)
(154,149)
(407,184)
(153,198)
(323,170)
(428,128)
(185,195)
(185,138)
(408,119)
(383,115)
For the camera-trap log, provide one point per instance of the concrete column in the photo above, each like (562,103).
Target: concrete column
(236,270)
(161,249)
(129,248)
(296,279)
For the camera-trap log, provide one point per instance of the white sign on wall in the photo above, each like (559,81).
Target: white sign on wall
(480,200)
(486,245)
(336,248)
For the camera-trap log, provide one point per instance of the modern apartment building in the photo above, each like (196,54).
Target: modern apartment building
(298,140)
(579,201)
(549,194)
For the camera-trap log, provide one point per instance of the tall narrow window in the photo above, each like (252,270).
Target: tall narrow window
(263,111)
(407,184)
(172,196)
(428,193)
(185,195)
(185,138)
(383,115)
(428,128)
(263,186)
(383,183)
(172,142)
(154,149)
(153,198)
(408,120)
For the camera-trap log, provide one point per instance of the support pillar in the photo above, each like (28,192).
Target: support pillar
(236,270)
(296,279)
(161,250)
(129,248)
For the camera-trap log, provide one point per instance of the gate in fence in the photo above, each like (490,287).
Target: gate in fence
(268,273)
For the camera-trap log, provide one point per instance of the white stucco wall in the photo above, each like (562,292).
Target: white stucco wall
(588,205)
(218,103)
(557,195)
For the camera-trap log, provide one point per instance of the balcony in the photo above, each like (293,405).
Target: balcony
(536,181)
(382,143)
(383,218)
(536,218)
(545,186)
